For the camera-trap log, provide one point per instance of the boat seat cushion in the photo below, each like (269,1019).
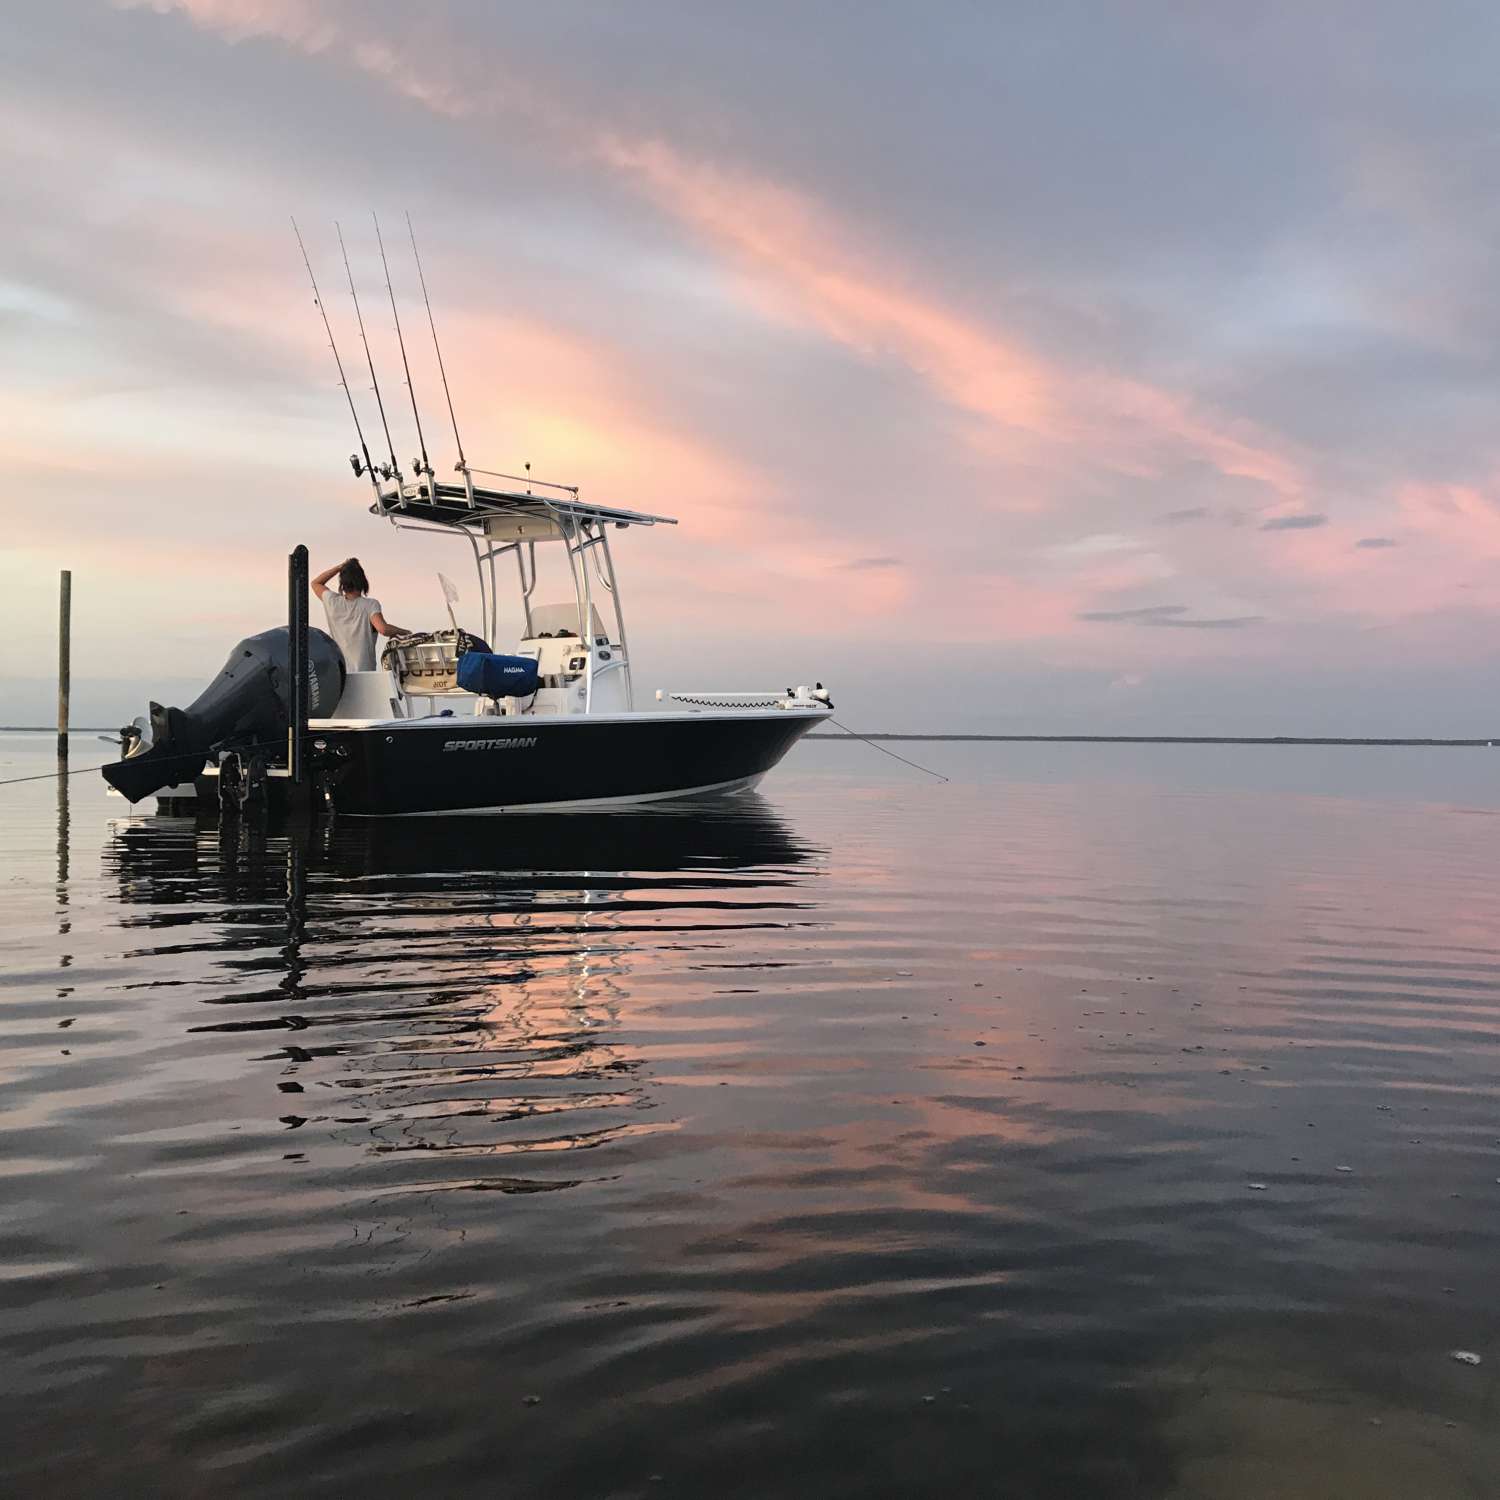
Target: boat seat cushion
(494,676)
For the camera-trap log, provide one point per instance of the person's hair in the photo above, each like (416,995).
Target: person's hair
(352,578)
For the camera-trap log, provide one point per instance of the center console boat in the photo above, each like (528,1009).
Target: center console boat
(445,725)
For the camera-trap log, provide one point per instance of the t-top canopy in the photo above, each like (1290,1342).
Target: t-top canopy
(448,505)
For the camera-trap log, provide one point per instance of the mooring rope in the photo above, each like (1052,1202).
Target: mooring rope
(55,775)
(160,760)
(871,743)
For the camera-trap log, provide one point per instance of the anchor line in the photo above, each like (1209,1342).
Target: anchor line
(926,770)
(183,755)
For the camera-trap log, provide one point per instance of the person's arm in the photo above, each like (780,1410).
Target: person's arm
(320,583)
(384,627)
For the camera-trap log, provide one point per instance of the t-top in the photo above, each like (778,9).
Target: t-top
(349,625)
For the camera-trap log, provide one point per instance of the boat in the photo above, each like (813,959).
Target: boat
(444,724)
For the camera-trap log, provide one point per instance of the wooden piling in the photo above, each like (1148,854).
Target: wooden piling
(64,659)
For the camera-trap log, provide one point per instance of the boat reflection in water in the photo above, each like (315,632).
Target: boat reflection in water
(448,990)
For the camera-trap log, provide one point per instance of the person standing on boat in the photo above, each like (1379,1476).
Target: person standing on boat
(354,619)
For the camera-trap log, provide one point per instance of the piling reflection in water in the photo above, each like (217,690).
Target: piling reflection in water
(64,846)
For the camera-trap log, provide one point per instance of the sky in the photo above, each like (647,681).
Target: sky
(1055,367)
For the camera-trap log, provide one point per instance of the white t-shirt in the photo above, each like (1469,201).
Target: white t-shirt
(349,625)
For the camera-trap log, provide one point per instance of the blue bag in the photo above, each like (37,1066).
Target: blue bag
(493,676)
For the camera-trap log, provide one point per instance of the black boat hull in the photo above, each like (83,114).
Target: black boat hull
(504,765)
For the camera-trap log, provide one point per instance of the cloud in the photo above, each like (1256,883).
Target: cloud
(805,263)
(1223,622)
(866,564)
(816,270)
(1372,542)
(1294,523)
(1172,616)
(1192,513)
(1152,614)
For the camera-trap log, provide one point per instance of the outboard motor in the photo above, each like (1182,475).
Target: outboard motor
(249,700)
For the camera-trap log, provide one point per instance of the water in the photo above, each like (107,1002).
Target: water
(871,1137)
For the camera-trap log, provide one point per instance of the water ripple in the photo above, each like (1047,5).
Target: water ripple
(1078,1134)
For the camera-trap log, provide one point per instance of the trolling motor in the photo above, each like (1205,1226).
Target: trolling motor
(248,704)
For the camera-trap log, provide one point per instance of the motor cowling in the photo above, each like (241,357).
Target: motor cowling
(249,702)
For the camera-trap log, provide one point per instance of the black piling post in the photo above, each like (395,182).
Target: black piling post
(64,658)
(296,619)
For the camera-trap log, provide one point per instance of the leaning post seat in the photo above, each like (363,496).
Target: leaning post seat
(427,662)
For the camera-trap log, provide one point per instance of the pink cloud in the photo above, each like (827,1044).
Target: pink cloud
(803,266)
(806,256)
(308,27)
(1460,515)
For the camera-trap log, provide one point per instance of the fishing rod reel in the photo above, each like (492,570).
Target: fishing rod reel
(385,471)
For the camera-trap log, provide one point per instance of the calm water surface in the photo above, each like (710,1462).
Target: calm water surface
(1112,1121)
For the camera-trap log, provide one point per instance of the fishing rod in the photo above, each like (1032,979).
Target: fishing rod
(422,467)
(369,467)
(395,469)
(462,462)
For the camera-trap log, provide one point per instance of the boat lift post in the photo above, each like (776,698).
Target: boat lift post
(296,620)
(64,658)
